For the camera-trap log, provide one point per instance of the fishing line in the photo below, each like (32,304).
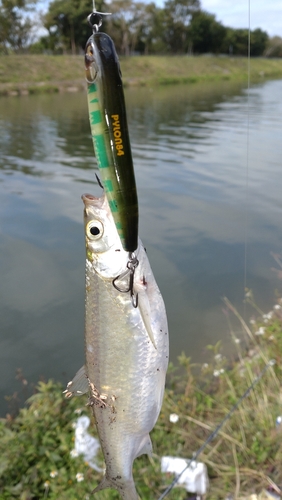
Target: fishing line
(192,461)
(246,218)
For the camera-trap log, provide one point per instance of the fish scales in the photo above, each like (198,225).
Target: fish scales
(125,368)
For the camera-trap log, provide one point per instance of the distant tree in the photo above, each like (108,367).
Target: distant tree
(179,27)
(236,42)
(15,25)
(274,47)
(133,25)
(123,24)
(259,41)
(228,42)
(46,44)
(206,33)
(66,22)
(149,29)
(177,15)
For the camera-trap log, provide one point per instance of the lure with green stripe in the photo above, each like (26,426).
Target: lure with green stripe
(107,115)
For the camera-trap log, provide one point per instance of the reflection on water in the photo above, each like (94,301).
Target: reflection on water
(192,166)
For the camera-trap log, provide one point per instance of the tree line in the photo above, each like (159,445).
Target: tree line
(179,27)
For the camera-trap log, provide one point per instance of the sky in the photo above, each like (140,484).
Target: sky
(264,14)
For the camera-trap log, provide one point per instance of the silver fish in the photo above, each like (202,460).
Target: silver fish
(126,348)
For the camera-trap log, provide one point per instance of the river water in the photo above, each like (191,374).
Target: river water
(207,183)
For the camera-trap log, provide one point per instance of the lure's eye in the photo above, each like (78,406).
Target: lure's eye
(94,230)
(91,71)
(89,50)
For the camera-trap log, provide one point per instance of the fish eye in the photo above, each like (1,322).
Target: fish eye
(94,230)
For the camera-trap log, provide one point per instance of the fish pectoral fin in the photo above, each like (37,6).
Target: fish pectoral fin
(145,311)
(79,385)
(146,448)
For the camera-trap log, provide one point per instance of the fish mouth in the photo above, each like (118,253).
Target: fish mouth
(89,199)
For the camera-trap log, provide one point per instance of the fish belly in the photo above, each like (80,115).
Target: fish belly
(127,370)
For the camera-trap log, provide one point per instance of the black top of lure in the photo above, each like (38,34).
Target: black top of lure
(103,69)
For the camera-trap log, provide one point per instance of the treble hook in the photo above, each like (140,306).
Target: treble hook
(131,267)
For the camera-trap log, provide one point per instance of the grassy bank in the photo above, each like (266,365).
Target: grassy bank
(41,73)
(244,459)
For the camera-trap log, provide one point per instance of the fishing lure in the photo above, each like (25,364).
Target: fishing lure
(107,114)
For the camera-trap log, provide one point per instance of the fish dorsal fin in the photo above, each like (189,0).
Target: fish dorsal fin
(79,385)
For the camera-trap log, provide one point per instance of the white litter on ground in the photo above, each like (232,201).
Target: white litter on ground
(194,479)
(85,444)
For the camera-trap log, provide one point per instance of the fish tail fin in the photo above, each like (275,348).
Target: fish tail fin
(129,492)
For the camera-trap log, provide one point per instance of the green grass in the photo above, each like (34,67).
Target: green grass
(244,457)
(40,73)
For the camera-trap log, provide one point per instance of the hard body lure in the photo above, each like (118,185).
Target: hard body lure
(109,130)
(126,349)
